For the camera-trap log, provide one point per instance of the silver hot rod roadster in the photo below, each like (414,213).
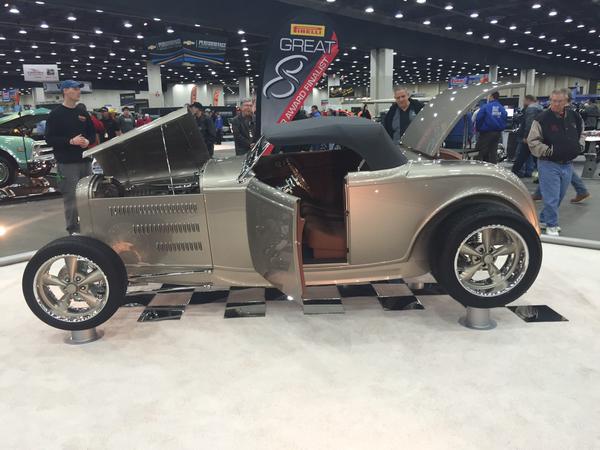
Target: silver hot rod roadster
(282,216)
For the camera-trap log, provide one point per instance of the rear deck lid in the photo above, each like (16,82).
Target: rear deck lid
(170,147)
(436,120)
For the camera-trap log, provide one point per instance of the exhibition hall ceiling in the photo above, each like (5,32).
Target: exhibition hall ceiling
(106,46)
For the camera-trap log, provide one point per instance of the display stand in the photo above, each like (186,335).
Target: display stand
(478,319)
(416,286)
(78,337)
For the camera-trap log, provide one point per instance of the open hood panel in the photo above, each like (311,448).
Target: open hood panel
(168,147)
(433,124)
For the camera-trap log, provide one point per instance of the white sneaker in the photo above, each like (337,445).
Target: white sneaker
(553,231)
(543,226)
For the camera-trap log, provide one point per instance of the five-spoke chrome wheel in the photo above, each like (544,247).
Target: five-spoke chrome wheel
(491,261)
(71,288)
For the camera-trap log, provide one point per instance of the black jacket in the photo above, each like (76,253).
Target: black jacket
(208,132)
(244,133)
(388,121)
(62,125)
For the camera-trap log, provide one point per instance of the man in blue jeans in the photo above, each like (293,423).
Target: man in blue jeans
(556,139)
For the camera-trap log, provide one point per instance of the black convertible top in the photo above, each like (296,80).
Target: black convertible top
(367,138)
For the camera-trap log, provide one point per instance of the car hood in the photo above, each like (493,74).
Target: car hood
(436,120)
(170,147)
(29,112)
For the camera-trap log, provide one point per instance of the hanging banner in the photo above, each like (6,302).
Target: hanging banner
(40,72)
(187,49)
(465,81)
(296,61)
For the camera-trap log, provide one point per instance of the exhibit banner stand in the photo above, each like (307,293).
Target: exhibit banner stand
(478,319)
(78,337)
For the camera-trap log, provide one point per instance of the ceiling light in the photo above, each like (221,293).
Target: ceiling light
(116,41)
(92,45)
(14,10)
(502,41)
(469,33)
(99,11)
(156,19)
(34,46)
(568,20)
(75,37)
(21,31)
(536,6)
(427,22)
(44,25)
(127,25)
(448,27)
(170,30)
(552,13)
(399,15)
(474,15)
(241,32)
(71,17)
(512,27)
(98,31)
(369,9)
(449,7)
(527,32)
(494,21)
(581,25)
(421,1)
(486,36)
(140,36)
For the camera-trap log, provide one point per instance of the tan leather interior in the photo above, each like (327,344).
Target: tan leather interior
(450,155)
(326,238)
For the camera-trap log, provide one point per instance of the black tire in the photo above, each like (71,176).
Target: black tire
(454,230)
(10,168)
(101,255)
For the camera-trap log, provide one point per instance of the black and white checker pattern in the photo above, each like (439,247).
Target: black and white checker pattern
(171,302)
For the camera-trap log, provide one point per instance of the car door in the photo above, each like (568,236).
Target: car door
(275,237)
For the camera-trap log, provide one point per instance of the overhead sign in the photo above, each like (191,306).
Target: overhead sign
(296,61)
(187,49)
(340,92)
(127,99)
(54,88)
(465,81)
(40,72)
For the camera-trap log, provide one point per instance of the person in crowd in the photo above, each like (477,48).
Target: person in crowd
(314,111)
(592,114)
(143,120)
(331,112)
(111,126)
(206,126)
(401,113)
(219,127)
(581,191)
(244,128)
(69,130)
(532,108)
(126,120)
(365,113)
(490,122)
(98,126)
(555,139)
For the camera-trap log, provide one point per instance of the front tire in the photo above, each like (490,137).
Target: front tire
(488,258)
(8,171)
(75,283)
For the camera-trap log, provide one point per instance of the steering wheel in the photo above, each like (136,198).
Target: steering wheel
(297,178)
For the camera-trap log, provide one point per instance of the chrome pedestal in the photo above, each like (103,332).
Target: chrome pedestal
(478,319)
(79,337)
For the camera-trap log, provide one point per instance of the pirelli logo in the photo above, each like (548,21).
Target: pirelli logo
(302,29)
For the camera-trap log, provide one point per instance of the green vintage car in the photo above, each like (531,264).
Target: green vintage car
(22,148)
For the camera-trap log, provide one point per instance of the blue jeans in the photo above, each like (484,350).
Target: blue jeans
(578,185)
(524,158)
(554,181)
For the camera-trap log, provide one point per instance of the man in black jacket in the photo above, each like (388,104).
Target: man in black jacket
(556,139)
(206,126)
(401,113)
(69,130)
(243,126)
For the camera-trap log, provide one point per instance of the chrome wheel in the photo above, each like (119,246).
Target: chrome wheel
(491,261)
(71,288)
(4,172)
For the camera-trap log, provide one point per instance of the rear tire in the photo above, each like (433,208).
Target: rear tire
(8,171)
(487,258)
(75,283)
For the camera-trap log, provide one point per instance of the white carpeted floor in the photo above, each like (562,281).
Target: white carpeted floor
(368,379)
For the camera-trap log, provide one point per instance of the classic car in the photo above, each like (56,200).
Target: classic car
(23,155)
(368,210)
(23,149)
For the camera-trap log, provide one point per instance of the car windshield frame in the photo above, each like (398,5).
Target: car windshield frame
(255,153)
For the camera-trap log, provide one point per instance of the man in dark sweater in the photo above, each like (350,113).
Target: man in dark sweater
(243,126)
(70,131)
(401,113)
(556,139)
(206,126)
